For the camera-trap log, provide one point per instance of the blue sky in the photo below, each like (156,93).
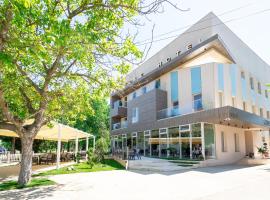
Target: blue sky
(253,30)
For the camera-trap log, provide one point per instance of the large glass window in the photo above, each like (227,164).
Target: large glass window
(154,142)
(220,77)
(174,148)
(233,76)
(196,85)
(147,145)
(209,140)
(174,86)
(140,144)
(134,141)
(163,142)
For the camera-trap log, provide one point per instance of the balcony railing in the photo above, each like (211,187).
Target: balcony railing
(191,107)
(119,125)
(119,103)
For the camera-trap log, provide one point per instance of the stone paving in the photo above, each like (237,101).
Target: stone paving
(211,183)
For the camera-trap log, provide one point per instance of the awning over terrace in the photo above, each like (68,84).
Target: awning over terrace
(57,132)
(51,133)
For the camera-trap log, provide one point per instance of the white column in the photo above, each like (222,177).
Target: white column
(202,136)
(58,147)
(86,148)
(76,146)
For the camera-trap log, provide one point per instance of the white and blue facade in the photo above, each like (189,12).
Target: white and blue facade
(206,98)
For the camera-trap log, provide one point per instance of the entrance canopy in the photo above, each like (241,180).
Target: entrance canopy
(52,133)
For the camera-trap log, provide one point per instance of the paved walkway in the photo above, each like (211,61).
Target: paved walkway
(213,183)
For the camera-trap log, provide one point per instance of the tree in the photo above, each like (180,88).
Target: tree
(56,55)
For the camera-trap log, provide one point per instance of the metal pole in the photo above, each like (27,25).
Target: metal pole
(58,147)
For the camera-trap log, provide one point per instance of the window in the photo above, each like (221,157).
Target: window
(233,102)
(236,142)
(251,81)
(174,86)
(144,90)
(253,109)
(223,142)
(134,95)
(220,98)
(259,88)
(169,59)
(220,77)
(197,102)
(163,131)
(196,86)
(160,64)
(244,106)
(261,112)
(175,103)
(142,74)
(178,53)
(268,114)
(233,76)
(184,128)
(135,115)
(157,84)
(266,93)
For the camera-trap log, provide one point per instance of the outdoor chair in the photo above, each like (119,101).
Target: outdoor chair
(43,159)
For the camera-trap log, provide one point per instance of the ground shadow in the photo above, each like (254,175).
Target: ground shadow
(29,193)
(210,170)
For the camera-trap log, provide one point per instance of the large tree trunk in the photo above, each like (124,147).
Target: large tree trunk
(26,162)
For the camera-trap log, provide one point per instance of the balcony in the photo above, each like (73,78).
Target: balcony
(119,109)
(175,111)
(119,125)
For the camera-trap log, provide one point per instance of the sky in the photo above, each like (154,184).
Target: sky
(252,25)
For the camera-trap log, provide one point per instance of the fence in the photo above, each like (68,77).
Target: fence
(9,158)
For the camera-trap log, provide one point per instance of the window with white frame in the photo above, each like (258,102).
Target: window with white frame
(223,142)
(236,142)
(135,115)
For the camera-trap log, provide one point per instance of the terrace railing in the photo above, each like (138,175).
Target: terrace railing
(188,108)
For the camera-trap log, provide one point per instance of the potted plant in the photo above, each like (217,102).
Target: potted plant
(263,150)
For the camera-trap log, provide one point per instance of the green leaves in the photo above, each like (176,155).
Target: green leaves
(63,55)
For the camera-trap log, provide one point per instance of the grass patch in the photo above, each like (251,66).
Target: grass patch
(184,161)
(107,165)
(185,165)
(11,185)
